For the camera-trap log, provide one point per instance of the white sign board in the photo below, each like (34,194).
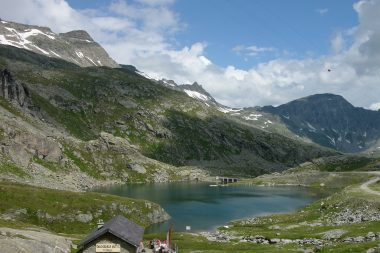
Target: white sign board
(107,247)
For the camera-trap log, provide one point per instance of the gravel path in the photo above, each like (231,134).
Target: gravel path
(365,185)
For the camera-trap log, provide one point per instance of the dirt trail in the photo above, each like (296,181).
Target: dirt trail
(365,185)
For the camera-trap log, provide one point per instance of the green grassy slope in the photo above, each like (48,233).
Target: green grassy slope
(69,212)
(166,125)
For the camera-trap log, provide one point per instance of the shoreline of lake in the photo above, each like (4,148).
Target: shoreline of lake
(206,208)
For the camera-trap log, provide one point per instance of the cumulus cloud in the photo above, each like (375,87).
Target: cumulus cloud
(142,33)
(355,71)
(54,13)
(128,30)
(375,106)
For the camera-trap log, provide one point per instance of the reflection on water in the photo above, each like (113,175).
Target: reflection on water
(204,208)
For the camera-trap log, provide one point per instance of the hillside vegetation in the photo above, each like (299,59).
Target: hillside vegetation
(114,124)
(70,212)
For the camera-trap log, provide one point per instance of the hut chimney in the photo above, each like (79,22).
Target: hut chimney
(100,223)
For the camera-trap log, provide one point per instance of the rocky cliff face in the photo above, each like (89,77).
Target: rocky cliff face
(76,46)
(31,240)
(12,90)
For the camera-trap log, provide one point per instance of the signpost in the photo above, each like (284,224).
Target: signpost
(107,247)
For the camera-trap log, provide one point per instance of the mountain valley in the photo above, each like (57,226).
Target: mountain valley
(72,120)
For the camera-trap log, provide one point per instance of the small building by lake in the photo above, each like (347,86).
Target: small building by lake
(117,235)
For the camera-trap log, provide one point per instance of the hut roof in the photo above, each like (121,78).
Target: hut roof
(120,227)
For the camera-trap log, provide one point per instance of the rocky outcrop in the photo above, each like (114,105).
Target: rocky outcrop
(26,241)
(350,216)
(223,237)
(13,90)
(20,147)
(40,146)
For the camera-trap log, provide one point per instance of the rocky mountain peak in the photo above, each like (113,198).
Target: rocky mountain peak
(330,120)
(323,101)
(76,46)
(196,90)
(77,34)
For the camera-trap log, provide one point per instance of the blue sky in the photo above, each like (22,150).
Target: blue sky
(244,52)
(293,29)
(295,26)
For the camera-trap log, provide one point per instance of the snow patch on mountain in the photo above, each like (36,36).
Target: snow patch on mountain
(253,116)
(332,140)
(311,127)
(75,46)
(143,74)
(34,32)
(88,58)
(228,110)
(79,54)
(22,36)
(4,41)
(55,54)
(167,82)
(40,49)
(197,95)
(20,39)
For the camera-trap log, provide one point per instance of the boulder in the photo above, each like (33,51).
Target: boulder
(138,168)
(26,241)
(333,234)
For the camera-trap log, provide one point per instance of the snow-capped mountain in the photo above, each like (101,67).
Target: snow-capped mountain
(76,46)
(196,91)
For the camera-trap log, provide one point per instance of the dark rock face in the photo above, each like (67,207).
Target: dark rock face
(331,121)
(13,90)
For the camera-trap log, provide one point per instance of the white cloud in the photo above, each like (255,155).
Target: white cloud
(355,71)
(155,15)
(156,2)
(128,30)
(323,11)
(337,42)
(252,50)
(375,106)
(142,33)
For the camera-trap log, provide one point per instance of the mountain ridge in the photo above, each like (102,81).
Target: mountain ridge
(76,46)
(274,119)
(330,120)
(115,125)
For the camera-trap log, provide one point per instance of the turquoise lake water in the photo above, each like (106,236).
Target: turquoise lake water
(205,208)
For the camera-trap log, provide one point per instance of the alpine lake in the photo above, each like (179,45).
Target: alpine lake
(204,207)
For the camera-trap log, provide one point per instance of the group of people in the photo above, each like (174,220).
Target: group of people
(159,246)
